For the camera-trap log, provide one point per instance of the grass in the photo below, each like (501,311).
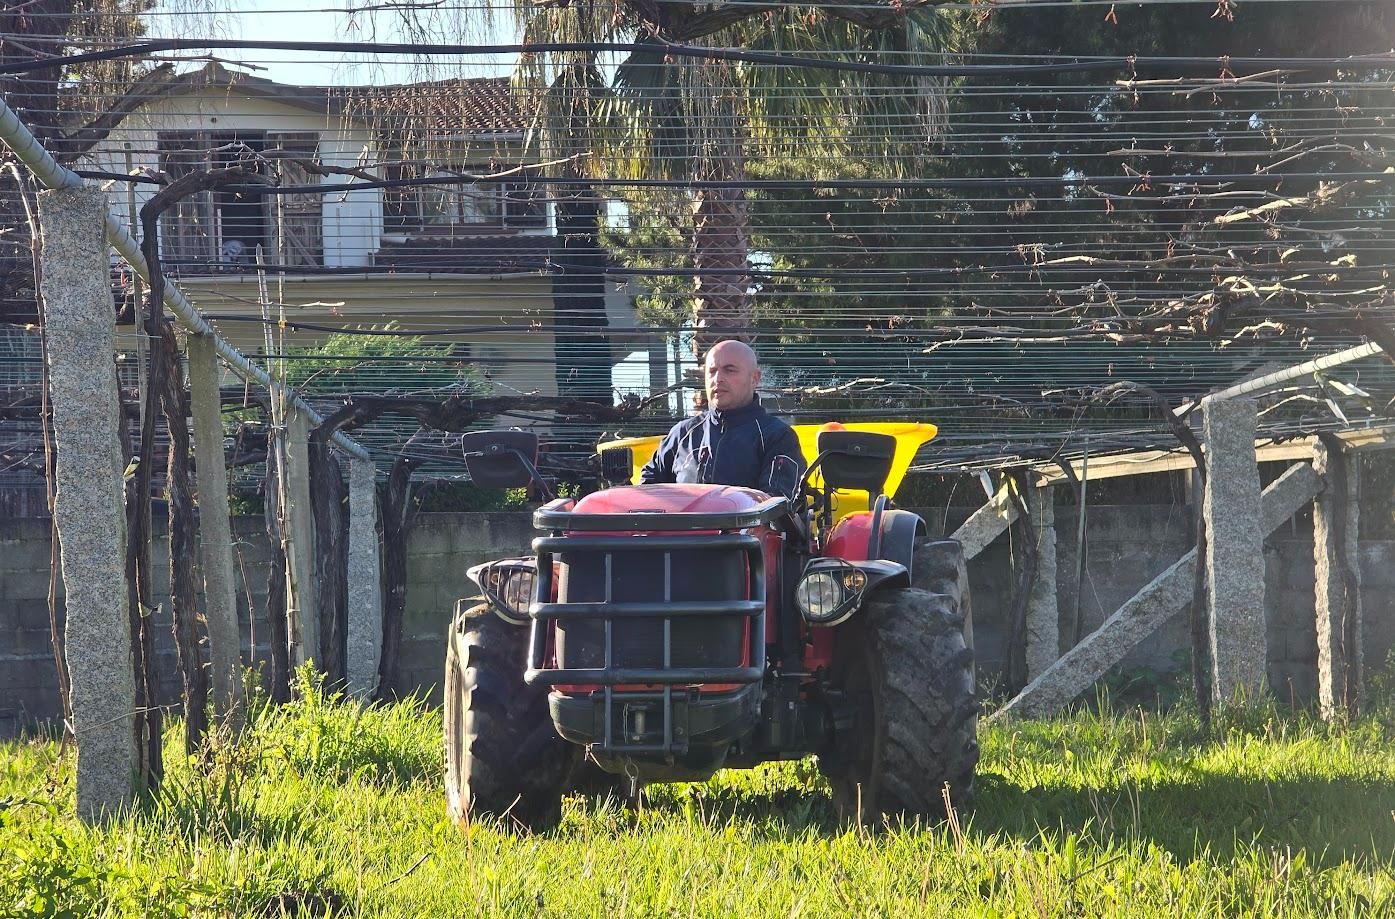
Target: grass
(329,808)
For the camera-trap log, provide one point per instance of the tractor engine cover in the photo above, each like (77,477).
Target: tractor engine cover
(641,574)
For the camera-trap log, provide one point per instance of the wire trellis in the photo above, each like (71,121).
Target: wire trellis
(1077,220)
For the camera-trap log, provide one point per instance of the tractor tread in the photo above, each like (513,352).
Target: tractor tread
(927,716)
(502,753)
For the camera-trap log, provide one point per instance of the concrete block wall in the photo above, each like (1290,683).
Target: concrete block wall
(27,674)
(1127,547)
(28,677)
(440,549)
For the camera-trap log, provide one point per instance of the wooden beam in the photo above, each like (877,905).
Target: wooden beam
(1141,462)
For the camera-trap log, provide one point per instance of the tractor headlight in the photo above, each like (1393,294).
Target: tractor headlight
(827,596)
(509,586)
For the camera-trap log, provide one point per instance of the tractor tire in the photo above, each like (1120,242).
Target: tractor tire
(902,661)
(503,756)
(939,567)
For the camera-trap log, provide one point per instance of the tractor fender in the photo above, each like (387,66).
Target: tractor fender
(880,533)
(897,535)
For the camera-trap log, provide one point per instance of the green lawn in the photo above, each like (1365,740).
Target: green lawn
(1115,814)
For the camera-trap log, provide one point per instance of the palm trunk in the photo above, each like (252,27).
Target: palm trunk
(721,262)
(721,243)
(721,259)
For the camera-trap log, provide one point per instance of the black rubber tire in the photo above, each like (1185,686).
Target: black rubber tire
(903,656)
(503,755)
(939,568)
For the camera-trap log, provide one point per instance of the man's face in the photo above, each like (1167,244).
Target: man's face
(732,376)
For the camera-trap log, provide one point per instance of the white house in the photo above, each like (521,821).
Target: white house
(472,258)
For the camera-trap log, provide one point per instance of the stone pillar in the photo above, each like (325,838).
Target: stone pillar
(302,614)
(89,510)
(1234,549)
(1043,615)
(364,636)
(1337,566)
(215,535)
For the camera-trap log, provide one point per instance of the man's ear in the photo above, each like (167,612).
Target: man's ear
(757,377)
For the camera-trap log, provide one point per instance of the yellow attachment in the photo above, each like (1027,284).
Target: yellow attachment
(910,437)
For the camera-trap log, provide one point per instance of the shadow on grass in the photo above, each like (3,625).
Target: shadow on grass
(1207,813)
(1335,820)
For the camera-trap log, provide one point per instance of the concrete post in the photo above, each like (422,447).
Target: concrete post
(1141,615)
(1043,616)
(215,535)
(1337,566)
(364,635)
(89,508)
(1234,549)
(302,614)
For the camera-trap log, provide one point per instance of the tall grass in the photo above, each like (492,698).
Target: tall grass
(330,808)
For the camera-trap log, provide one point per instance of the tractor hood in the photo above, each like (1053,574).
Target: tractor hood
(670,499)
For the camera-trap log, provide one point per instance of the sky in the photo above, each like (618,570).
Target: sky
(317,20)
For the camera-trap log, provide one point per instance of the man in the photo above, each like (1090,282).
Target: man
(736,441)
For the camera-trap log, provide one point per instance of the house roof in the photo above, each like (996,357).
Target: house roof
(446,107)
(215,76)
(477,106)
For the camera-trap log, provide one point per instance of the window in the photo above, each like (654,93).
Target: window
(472,207)
(221,230)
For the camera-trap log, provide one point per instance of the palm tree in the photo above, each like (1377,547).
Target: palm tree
(700,120)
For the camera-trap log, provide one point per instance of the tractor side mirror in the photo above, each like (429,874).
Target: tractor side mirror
(501,459)
(855,460)
(617,465)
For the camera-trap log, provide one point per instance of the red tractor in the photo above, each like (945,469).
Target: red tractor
(663,632)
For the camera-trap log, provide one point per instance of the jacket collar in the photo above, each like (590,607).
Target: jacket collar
(736,415)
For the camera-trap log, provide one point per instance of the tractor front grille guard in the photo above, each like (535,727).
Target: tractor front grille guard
(587,533)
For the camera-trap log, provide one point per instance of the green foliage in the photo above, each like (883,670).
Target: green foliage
(328,807)
(466,497)
(54,868)
(1380,683)
(349,362)
(40,877)
(246,505)
(321,735)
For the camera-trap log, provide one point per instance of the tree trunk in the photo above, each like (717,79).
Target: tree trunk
(138,517)
(397,521)
(1025,539)
(55,628)
(277,626)
(183,600)
(721,260)
(327,496)
(149,723)
(34,94)
(721,243)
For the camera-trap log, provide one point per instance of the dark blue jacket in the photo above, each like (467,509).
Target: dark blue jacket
(743,446)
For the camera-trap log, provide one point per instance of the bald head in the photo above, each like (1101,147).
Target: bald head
(732,375)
